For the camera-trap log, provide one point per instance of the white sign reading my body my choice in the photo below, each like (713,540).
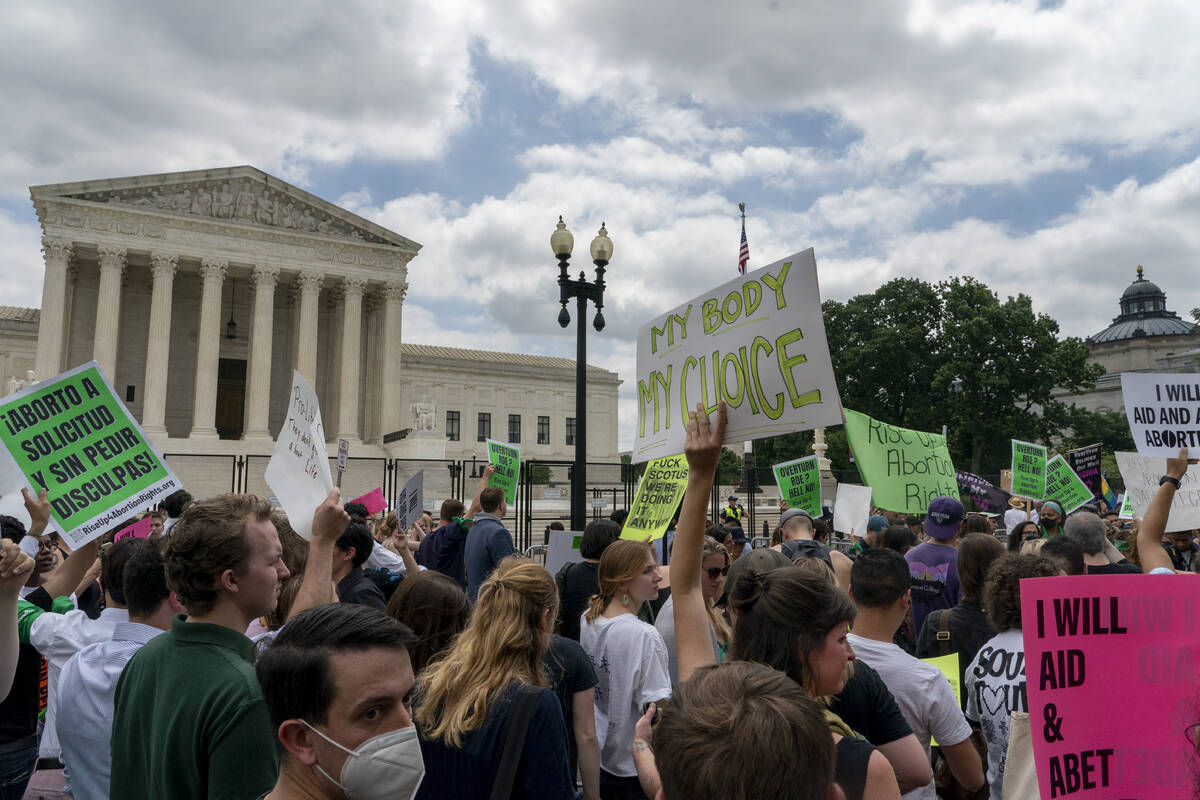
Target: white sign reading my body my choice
(1163,412)
(298,472)
(1141,475)
(757,342)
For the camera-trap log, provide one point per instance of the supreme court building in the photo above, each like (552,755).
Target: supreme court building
(199,292)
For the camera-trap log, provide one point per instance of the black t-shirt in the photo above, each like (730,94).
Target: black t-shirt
(360,590)
(19,711)
(569,670)
(866,705)
(1122,567)
(969,632)
(579,584)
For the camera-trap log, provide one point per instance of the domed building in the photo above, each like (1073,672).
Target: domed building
(1144,337)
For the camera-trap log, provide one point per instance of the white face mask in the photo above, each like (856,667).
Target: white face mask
(386,766)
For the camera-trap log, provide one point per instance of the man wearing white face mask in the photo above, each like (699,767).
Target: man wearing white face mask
(338,686)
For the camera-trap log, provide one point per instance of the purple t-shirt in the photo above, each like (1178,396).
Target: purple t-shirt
(934,571)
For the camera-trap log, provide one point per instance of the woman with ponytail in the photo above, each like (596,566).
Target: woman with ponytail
(465,697)
(630,659)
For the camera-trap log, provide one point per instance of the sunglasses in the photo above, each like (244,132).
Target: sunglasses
(717,572)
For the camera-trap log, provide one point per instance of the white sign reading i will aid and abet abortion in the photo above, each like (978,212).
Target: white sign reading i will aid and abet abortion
(1163,412)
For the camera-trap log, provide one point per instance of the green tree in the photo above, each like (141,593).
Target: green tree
(541,474)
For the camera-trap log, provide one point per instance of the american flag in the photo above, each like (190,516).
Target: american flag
(744,254)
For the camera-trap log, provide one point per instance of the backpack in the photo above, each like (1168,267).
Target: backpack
(385,579)
(807,548)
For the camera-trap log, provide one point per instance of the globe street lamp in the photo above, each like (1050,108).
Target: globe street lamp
(561,242)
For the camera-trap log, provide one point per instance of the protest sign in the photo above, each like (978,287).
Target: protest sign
(851,508)
(1085,631)
(1163,412)
(373,500)
(657,497)
(138,530)
(904,468)
(1141,475)
(72,436)
(983,495)
(298,472)
(756,342)
(507,460)
(562,548)
(1126,507)
(1064,486)
(1086,463)
(1028,469)
(948,664)
(409,504)
(799,483)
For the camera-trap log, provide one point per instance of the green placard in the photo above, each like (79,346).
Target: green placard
(507,460)
(1064,486)
(799,483)
(1126,511)
(1028,469)
(904,468)
(73,437)
(657,497)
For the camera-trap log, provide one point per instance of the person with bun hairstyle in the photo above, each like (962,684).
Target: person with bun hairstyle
(630,659)
(493,668)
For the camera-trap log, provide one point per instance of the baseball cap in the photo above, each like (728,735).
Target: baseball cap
(732,497)
(739,536)
(944,515)
(877,522)
(791,514)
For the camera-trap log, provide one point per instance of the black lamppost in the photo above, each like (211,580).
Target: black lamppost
(561,242)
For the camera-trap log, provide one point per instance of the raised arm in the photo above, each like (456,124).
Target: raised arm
(1154,524)
(316,587)
(693,643)
(488,471)
(15,567)
(70,573)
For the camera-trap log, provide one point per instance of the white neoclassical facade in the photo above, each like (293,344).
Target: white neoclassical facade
(199,292)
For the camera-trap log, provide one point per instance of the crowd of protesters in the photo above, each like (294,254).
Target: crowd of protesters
(224,656)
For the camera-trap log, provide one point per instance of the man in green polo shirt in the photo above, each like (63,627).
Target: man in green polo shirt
(189,720)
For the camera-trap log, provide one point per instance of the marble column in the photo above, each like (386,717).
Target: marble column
(208,350)
(108,309)
(158,342)
(52,327)
(306,346)
(262,328)
(351,352)
(389,365)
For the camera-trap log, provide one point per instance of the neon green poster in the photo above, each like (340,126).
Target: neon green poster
(799,483)
(1028,469)
(507,460)
(904,468)
(1065,486)
(73,437)
(657,497)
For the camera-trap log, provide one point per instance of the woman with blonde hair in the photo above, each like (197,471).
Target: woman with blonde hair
(630,659)
(473,702)
(714,567)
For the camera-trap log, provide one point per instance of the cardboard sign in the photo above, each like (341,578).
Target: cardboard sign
(1028,469)
(1086,463)
(657,497)
(298,472)
(410,505)
(373,500)
(1081,633)
(799,483)
(1163,412)
(984,495)
(1141,475)
(851,508)
(1064,486)
(904,468)
(138,530)
(72,436)
(756,342)
(507,459)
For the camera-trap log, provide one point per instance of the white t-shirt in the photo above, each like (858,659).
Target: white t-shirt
(630,660)
(995,687)
(923,694)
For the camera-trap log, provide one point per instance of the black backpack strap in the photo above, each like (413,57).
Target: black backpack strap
(506,757)
(945,647)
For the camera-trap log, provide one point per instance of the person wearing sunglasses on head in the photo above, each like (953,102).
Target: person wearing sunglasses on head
(714,567)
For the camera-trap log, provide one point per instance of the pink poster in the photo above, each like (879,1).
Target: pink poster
(1112,668)
(373,500)
(138,530)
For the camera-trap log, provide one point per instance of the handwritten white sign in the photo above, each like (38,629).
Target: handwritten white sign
(298,472)
(1141,475)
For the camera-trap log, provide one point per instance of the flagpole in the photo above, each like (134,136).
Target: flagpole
(748,446)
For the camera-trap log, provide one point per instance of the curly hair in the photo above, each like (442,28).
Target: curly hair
(1002,590)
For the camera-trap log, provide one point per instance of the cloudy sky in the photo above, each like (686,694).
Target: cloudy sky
(1045,148)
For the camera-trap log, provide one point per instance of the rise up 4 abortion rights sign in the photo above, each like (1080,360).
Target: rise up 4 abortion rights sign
(904,468)
(1097,644)
(756,342)
(73,437)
